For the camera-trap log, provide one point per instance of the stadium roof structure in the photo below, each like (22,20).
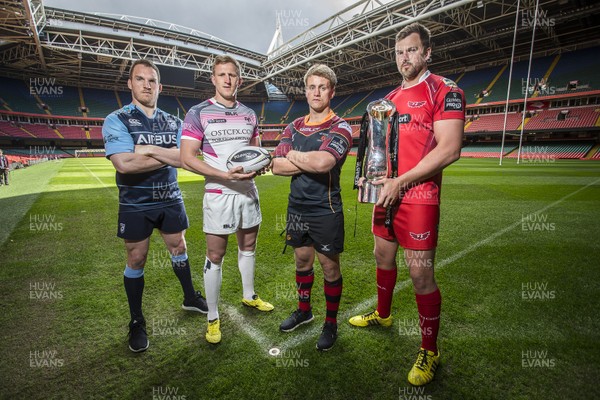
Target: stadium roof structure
(90,50)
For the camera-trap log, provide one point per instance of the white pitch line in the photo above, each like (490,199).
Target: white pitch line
(112,192)
(246,327)
(371,302)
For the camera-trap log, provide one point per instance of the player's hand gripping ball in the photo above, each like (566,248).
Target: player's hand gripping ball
(251,158)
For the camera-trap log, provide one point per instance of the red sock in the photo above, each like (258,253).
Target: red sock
(304,283)
(386,281)
(429,306)
(333,294)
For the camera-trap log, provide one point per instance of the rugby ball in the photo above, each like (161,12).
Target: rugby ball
(251,158)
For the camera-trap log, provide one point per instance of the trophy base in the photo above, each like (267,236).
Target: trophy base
(369,193)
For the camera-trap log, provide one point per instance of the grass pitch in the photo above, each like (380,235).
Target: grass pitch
(517,266)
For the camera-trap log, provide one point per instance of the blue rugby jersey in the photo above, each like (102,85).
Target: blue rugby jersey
(129,126)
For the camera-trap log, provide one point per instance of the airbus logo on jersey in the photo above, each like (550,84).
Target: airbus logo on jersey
(420,236)
(415,104)
(134,122)
(157,139)
(217,121)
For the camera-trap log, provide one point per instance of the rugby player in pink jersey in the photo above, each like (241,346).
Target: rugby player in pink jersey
(217,127)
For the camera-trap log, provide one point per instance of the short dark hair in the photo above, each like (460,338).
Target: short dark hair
(416,27)
(146,63)
(224,59)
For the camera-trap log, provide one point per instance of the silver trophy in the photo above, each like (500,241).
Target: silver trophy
(377,155)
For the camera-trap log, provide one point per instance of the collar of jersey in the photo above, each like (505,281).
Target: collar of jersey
(421,79)
(142,111)
(214,101)
(327,118)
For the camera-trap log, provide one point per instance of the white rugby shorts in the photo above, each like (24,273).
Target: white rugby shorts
(226,213)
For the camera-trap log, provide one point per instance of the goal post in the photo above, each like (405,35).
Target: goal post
(90,153)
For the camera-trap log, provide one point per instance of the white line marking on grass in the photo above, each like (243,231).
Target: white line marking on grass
(371,302)
(112,192)
(247,328)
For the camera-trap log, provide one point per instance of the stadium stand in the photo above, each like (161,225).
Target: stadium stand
(567,118)
(495,123)
(43,131)
(548,150)
(474,82)
(16,95)
(485,150)
(498,91)
(270,135)
(65,103)
(72,132)
(347,107)
(15,130)
(99,102)
(580,66)
(274,110)
(168,104)
(187,102)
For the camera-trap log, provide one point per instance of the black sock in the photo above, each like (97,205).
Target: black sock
(134,287)
(182,270)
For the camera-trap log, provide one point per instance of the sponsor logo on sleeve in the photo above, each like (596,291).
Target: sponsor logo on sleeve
(453,102)
(449,82)
(338,144)
(110,139)
(345,126)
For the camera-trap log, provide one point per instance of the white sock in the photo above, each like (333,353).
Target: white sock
(246,263)
(212,286)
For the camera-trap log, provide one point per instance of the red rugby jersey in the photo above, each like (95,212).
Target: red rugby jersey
(433,99)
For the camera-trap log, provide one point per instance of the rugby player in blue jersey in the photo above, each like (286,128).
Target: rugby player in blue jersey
(141,141)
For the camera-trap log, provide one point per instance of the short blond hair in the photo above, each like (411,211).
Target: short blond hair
(323,71)
(224,59)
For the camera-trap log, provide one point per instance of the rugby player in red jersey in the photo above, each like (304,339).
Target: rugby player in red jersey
(431,113)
